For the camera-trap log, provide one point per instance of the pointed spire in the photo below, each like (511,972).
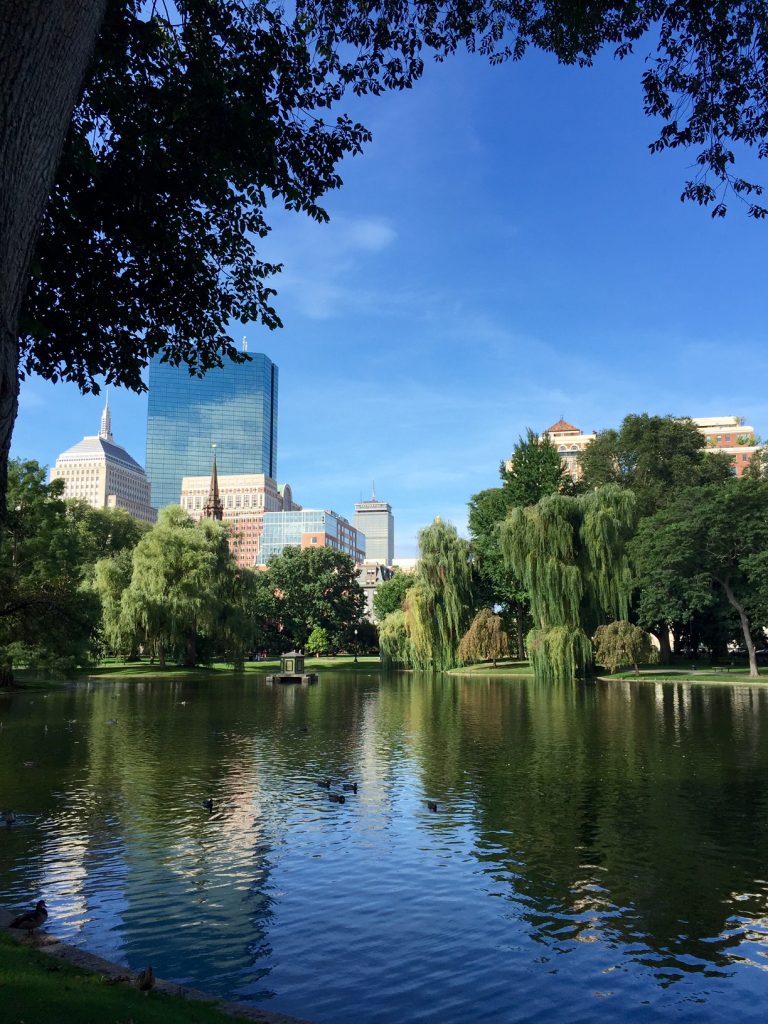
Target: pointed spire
(105,430)
(373,490)
(214,507)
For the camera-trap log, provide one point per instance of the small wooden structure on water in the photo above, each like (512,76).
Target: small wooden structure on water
(292,670)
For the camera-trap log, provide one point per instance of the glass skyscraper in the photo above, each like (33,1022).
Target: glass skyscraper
(234,407)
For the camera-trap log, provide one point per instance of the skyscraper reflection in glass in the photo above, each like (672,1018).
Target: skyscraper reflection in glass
(234,407)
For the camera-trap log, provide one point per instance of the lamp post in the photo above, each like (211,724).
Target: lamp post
(355,644)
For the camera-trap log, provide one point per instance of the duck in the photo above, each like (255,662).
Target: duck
(337,798)
(431,805)
(145,980)
(325,783)
(208,804)
(350,787)
(32,919)
(9,818)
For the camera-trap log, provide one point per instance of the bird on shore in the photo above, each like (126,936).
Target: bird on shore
(337,798)
(145,980)
(32,919)
(350,787)
(431,805)
(324,783)
(9,818)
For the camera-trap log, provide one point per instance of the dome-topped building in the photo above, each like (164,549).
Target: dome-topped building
(101,472)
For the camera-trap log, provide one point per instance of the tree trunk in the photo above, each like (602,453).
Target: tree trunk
(45,49)
(161,655)
(190,650)
(753,673)
(665,649)
(519,631)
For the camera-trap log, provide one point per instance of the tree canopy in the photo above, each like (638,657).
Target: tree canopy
(708,539)
(389,595)
(314,587)
(157,137)
(654,456)
(570,553)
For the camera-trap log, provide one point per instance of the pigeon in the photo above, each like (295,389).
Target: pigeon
(32,919)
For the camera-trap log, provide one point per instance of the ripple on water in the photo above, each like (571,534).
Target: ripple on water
(597,855)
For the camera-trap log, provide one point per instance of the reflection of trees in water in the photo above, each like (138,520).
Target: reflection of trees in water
(636,810)
(632,813)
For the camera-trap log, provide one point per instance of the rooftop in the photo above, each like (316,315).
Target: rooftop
(98,447)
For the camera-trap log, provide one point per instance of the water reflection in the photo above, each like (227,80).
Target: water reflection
(598,852)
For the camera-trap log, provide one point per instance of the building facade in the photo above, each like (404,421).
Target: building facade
(370,576)
(233,407)
(245,498)
(570,441)
(101,472)
(309,528)
(729,434)
(375,521)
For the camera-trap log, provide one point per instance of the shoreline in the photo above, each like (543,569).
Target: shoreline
(119,974)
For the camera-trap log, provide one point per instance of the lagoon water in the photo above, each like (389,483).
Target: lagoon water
(599,853)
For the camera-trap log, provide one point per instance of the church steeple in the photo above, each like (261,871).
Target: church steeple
(105,430)
(214,507)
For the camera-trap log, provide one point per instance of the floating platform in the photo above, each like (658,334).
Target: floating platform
(293,678)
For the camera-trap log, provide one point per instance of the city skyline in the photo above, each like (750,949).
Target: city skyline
(478,281)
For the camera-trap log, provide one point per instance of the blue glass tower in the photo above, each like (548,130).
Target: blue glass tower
(234,407)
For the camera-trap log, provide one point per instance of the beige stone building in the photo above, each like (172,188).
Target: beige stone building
(729,434)
(101,472)
(570,441)
(244,498)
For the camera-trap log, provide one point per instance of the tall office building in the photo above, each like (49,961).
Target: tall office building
(101,472)
(234,407)
(374,519)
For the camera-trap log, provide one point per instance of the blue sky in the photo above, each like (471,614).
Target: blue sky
(505,252)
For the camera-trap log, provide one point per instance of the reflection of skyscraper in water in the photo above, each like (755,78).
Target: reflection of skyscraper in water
(234,406)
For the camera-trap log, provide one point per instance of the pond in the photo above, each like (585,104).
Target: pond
(598,853)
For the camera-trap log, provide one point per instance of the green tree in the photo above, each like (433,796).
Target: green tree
(535,471)
(621,643)
(151,144)
(654,456)
(570,554)
(47,613)
(112,577)
(181,585)
(708,539)
(485,640)
(389,595)
(394,640)
(318,642)
(315,587)
(438,607)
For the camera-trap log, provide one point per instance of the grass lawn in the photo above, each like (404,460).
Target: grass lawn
(688,672)
(40,989)
(504,667)
(116,668)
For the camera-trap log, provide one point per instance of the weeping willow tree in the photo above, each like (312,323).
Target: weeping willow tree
(570,555)
(438,607)
(394,642)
